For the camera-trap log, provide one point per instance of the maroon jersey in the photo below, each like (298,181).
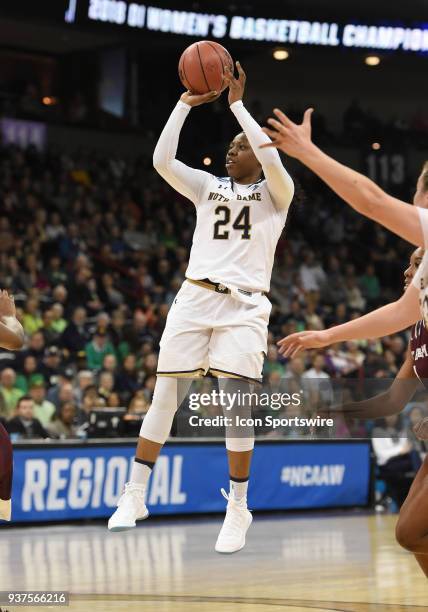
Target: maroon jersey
(6,468)
(419,350)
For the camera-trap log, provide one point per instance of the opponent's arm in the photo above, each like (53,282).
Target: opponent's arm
(357,190)
(187,181)
(381,322)
(391,401)
(279,182)
(11,331)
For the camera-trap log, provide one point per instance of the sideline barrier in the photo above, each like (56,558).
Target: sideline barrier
(67,481)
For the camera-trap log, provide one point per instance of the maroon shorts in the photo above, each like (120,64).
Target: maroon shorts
(6,465)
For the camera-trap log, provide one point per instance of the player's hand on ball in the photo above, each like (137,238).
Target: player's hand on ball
(421,429)
(291,345)
(289,137)
(7,304)
(236,86)
(197,99)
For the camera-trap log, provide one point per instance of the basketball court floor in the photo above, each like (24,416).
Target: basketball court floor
(346,562)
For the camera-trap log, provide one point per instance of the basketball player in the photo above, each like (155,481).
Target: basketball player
(12,338)
(218,321)
(412,526)
(409,222)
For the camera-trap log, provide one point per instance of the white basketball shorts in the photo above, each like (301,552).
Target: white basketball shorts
(209,331)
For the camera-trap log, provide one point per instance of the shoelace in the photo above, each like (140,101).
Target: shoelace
(233,521)
(137,491)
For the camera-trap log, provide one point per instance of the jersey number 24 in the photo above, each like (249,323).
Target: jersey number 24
(242,223)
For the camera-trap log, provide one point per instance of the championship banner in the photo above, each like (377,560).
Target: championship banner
(82,482)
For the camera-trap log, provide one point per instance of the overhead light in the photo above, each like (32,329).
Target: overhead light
(207,161)
(49,101)
(280,54)
(376,146)
(372,60)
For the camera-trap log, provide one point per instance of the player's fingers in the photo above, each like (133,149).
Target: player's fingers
(271,133)
(242,75)
(283,117)
(307,116)
(277,125)
(296,351)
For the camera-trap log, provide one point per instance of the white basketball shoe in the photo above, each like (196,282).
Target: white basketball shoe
(131,507)
(236,523)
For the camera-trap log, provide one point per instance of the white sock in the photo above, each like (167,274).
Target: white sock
(140,473)
(238,489)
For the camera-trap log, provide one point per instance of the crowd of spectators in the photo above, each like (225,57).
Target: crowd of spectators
(94,250)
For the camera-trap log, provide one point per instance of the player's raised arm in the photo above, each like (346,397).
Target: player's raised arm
(279,182)
(386,320)
(11,331)
(356,189)
(187,181)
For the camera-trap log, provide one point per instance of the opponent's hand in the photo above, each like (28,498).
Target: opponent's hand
(291,345)
(7,304)
(236,86)
(289,137)
(197,99)
(421,429)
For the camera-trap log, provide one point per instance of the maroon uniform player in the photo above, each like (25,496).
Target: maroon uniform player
(12,338)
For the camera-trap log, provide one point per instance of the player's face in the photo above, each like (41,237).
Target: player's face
(415,261)
(240,159)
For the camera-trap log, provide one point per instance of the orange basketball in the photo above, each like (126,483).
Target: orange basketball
(201,66)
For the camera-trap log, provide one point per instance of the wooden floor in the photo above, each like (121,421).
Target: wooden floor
(348,562)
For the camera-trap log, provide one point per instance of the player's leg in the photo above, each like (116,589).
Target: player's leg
(239,444)
(412,526)
(6,471)
(183,356)
(237,348)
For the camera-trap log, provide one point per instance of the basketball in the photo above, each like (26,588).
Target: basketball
(201,66)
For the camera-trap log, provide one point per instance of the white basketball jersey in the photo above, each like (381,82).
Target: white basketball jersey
(237,230)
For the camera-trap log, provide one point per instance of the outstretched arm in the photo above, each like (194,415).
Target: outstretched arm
(279,182)
(11,331)
(391,401)
(357,190)
(381,322)
(188,181)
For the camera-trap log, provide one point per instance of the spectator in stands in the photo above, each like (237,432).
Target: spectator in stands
(32,321)
(58,324)
(105,384)
(393,452)
(10,392)
(311,272)
(29,373)
(97,349)
(130,423)
(90,401)
(114,401)
(52,365)
(62,392)
(110,363)
(76,336)
(63,426)
(43,409)
(370,286)
(85,378)
(36,347)
(128,379)
(271,363)
(24,425)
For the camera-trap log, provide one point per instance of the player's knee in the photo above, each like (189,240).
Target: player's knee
(406,535)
